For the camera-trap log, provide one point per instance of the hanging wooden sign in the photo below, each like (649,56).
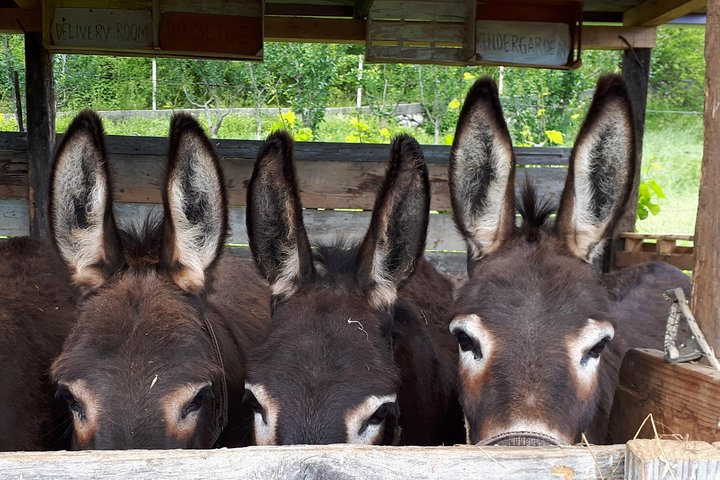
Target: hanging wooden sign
(102,28)
(525,43)
(528,33)
(158,28)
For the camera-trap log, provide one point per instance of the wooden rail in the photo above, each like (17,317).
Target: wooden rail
(640,459)
(642,247)
(332,176)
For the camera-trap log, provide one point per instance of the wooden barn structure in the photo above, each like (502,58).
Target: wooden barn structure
(336,176)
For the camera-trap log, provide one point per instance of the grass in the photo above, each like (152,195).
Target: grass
(672,155)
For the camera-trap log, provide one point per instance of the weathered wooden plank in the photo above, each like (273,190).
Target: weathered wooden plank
(19,20)
(683,398)
(683,261)
(304,151)
(325,462)
(669,459)
(40,105)
(323,226)
(604,37)
(399,54)
(314,29)
(323,184)
(445,11)
(706,287)
(652,13)
(650,236)
(425,32)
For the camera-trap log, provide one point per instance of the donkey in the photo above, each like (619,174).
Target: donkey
(157,357)
(36,313)
(541,333)
(357,350)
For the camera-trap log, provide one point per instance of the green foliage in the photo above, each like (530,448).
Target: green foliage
(648,193)
(677,76)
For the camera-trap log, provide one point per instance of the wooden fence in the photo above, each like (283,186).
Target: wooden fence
(334,178)
(640,459)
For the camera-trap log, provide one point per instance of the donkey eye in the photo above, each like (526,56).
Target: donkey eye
(596,350)
(467,344)
(197,402)
(380,414)
(250,400)
(75,406)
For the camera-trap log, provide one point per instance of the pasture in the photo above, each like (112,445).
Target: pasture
(407,241)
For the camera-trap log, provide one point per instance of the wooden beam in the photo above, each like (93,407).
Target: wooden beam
(306,29)
(330,461)
(683,398)
(20,20)
(652,13)
(603,37)
(668,459)
(40,105)
(362,8)
(706,284)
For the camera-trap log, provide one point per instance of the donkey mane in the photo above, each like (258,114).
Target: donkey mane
(142,242)
(535,210)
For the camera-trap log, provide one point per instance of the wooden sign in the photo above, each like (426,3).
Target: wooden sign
(522,43)
(158,28)
(102,28)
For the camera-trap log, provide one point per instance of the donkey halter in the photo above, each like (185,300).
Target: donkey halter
(220,410)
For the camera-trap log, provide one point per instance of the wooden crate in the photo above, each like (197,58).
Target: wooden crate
(643,247)
(421,31)
(684,399)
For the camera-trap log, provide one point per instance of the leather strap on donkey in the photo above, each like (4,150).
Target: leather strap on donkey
(220,411)
(220,405)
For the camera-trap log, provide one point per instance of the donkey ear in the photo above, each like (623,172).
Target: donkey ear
(195,205)
(602,167)
(275,224)
(482,172)
(81,216)
(398,227)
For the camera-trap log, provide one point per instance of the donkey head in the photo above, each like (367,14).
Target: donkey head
(139,369)
(533,320)
(326,373)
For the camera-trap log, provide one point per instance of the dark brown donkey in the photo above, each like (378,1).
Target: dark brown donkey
(37,306)
(357,350)
(157,357)
(540,333)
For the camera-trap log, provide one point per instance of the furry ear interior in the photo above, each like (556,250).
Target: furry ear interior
(81,216)
(398,228)
(482,172)
(602,167)
(195,205)
(275,226)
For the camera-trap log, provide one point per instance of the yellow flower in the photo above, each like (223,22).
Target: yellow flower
(385,133)
(448,139)
(555,137)
(289,118)
(454,104)
(469,76)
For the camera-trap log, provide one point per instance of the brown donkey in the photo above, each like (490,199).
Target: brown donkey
(357,350)
(157,357)
(540,334)
(37,310)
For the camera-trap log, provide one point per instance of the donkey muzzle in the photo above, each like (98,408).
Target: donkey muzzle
(521,439)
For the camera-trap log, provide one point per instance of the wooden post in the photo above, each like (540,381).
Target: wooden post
(706,275)
(669,459)
(40,104)
(635,71)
